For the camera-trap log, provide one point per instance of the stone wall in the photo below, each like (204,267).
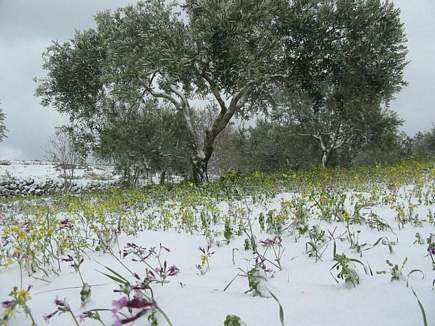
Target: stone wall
(14,187)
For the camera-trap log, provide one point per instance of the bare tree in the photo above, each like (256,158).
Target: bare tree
(63,153)
(2,125)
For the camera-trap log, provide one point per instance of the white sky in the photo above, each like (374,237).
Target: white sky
(28,26)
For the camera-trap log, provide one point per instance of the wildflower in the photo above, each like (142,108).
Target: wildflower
(68,259)
(23,295)
(119,304)
(272,242)
(173,270)
(139,303)
(61,305)
(66,223)
(135,303)
(7,304)
(47,317)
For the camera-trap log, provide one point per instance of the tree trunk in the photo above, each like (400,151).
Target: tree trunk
(163,176)
(200,168)
(201,153)
(326,156)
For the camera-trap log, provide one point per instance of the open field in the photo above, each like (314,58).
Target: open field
(321,247)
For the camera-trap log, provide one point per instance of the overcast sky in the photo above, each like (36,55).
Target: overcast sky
(28,26)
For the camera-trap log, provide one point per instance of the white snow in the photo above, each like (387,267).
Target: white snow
(305,288)
(42,171)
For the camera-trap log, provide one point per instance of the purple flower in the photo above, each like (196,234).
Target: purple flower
(47,317)
(140,303)
(60,303)
(431,249)
(8,303)
(272,242)
(66,223)
(173,270)
(67,259)
(119,304)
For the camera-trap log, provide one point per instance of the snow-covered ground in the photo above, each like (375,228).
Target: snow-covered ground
(42,171)
(205,289)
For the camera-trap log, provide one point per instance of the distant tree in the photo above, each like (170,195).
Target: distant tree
(273,147)
(350,68)
(65,155)
(392,148)
(424,144)
(2,125)
(230,152)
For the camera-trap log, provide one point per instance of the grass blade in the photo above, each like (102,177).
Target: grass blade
(423,313)
(281,310)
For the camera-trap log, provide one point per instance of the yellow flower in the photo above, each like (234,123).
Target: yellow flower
(204,259)
(21,235)
(23,296)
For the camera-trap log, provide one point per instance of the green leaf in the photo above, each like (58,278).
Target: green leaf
(423,313)
(281,310)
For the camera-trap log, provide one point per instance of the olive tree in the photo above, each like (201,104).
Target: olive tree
(233,53)
(351,67)
(220,51)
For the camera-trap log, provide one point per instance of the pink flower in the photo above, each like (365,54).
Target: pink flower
(271,242)
(140,303)
(66,223)
(119,304)
(173,270)
(59,302)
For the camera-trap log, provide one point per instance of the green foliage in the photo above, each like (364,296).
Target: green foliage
(346,270)
(256,280)
(154,141)
(395,271)
(317,244)
(420,305)
(232,320)
(228,232)
(424,144)
(68,228)
(342,59)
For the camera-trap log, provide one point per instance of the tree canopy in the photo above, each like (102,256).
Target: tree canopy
(341,54)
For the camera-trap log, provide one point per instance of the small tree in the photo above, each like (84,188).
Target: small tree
(2,125)
(424,144)
(335,129)
(67,158)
